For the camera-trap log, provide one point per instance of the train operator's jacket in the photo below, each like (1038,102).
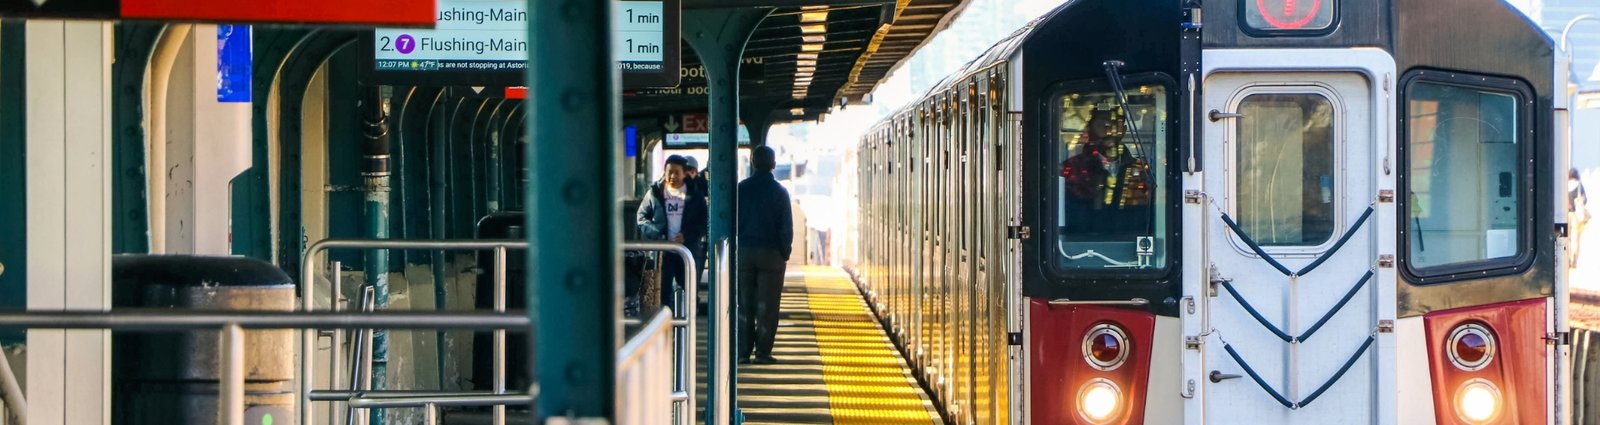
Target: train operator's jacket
(652,217)
(764,216)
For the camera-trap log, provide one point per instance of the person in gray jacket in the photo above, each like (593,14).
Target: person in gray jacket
(673,212)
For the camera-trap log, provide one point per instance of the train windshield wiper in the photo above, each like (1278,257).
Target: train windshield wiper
(1113,73)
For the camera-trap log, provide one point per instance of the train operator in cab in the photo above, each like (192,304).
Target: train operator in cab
(1107,185)
(675,212)
(766,235)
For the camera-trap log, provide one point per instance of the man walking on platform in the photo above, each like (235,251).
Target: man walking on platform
(765,235)
(673,212)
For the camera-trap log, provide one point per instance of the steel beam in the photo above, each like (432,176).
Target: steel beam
(130,222)
(13,160)
(573,224)
(310,52)
(719,37)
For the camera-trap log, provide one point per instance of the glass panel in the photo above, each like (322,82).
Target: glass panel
(1286,164)
(1289,15)
(1464,189)
(1111,206)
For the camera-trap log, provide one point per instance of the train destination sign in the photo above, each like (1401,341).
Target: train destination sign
(485,43)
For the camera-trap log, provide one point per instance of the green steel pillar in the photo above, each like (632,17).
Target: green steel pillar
(375,173)
(718,37)
(574,227)
(13,184)
(130,223)
(757,117)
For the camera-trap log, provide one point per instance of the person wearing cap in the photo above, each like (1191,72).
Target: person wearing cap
(673,212)
(766,235)
(697,181)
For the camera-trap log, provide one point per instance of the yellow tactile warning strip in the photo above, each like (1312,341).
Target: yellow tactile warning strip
(868,382)
(836,366)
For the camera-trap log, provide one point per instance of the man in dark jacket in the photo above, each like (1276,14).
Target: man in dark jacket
(766,233)
(673,212)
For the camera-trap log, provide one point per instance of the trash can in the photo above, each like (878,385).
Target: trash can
(172,377)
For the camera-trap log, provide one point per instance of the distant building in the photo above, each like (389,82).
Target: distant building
(1553,16)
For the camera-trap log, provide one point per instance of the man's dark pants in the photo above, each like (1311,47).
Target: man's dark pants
(760,291)
(671,278)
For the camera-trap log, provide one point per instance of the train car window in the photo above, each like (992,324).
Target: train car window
(1111,204)
(1465,193)
(1288,17)
(1285,187)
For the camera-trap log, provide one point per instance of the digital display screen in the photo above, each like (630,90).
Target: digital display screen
(486,43)
(1289,15)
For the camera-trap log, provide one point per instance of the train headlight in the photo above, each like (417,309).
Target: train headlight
(1478,401)
(1470,347)
(1105,347)
(1099,400)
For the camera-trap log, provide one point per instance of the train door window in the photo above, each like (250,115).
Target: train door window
(1288,17)
(1111,206)
(1465,197)
(1284,187)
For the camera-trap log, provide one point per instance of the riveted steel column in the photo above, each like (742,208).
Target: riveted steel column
(375,173)
(270,48)
(13,164)
(310,52)
(130,224)
(574,227)
(718,37)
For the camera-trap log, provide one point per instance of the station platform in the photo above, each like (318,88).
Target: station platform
(836,364)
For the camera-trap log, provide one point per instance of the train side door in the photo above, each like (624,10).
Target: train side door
(1294,157)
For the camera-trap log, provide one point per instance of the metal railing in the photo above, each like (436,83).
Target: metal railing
(683,325)
(230,325)
(230,366)
(640,364)
(430,403)
(11,393)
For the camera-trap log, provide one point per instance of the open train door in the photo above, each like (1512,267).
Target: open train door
(1295,268)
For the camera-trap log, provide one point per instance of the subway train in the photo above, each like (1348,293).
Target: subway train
(1231,212)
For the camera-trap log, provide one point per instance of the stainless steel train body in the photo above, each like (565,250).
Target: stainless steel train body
(1241,211)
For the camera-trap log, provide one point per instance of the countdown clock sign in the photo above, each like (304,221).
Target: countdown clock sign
(1289,15)
(485,43)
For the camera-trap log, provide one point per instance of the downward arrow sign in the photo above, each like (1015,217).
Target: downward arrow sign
(477,89)
(672,123)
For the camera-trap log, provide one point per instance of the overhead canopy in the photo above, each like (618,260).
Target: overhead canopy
(807,56)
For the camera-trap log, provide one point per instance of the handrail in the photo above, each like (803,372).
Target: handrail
(147,320)
(632,349)
(12,392)
(308,302)
(458,400)
(683,386)
(433,402)
(343,395)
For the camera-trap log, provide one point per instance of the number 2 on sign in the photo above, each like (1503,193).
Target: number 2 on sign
(404,44)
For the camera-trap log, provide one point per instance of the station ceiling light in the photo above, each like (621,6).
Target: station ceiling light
(797,111)
(814,38)
(811,47)
(814,29)
(813,14)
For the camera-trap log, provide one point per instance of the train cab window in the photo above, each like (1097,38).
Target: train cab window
(1464,191)
(1288,17)
(1111,203)
(1285,184)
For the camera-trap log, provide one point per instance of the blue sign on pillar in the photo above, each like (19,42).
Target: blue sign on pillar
(233,63)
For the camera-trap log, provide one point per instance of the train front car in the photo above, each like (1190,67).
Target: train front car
(1287,212)
(1369,233)
(1101,98)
